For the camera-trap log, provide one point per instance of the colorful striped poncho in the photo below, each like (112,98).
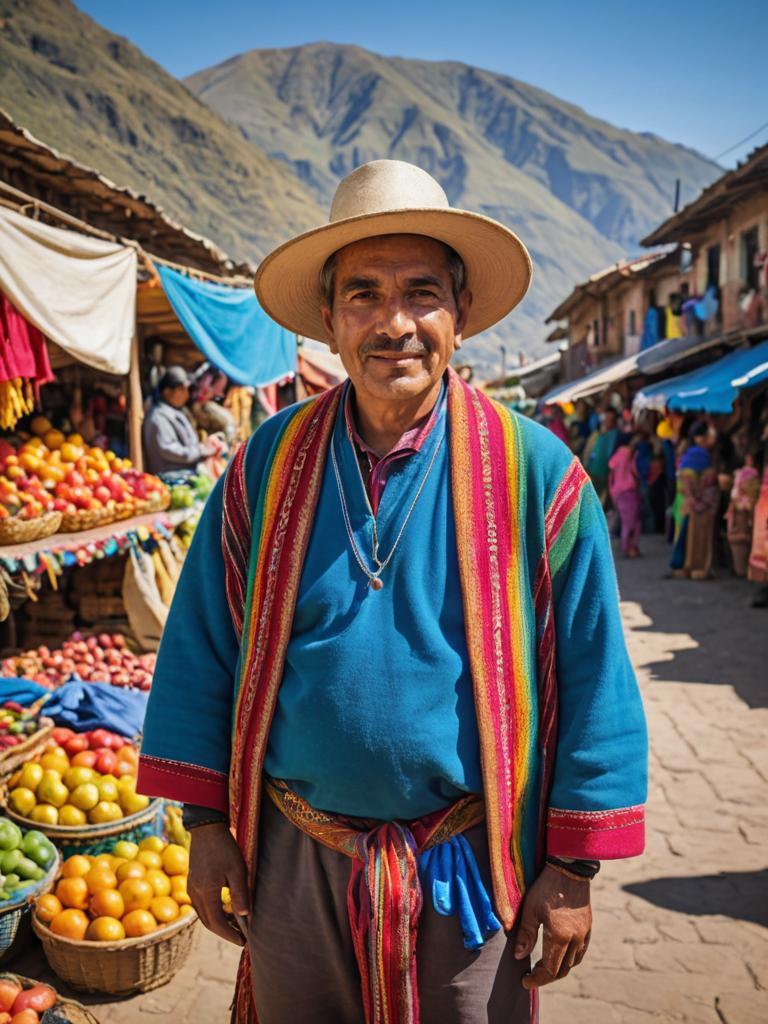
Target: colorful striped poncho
(561,726)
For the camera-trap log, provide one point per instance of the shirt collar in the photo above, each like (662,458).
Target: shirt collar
(412,440)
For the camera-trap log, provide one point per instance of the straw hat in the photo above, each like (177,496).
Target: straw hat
(387,197)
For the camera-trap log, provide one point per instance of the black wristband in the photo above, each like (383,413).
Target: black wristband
(586,869)
(194,816)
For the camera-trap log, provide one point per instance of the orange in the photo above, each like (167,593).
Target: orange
(71,923)
(160,882)
(100,878)
(179,889)
(137,894)
(104,860)
(164,909)
(73,892)
(76,866)
(48,907)
(154,843)
(132,869)
(105,929)
(175,860)
(138,922)
(150,859)
(186,909)
(107,903)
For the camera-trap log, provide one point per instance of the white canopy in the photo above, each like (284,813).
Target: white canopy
(79,291)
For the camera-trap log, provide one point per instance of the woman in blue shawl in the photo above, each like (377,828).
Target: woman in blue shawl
(699,497)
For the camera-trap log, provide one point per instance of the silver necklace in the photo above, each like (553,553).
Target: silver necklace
(374,578)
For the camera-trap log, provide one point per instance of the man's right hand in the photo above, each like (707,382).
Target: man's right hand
(215,861)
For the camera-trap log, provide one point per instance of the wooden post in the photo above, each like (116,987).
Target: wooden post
(135,404)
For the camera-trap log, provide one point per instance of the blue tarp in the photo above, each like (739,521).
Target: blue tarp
(713,388)
(231,329)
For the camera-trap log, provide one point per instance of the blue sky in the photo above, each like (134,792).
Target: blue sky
(692,72)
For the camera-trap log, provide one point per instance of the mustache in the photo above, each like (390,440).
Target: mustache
(408,344)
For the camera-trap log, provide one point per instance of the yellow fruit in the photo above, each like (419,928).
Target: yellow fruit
(70,452)
(175,860)
(105,929)
(138,922)
(77,440)
(107,903)
(70,923)
(105,811)
(52,790)
(126,849)
(72,816)
(75,866)
(150,859)
(186,909)
(44,814)
(22,800)
(100,878)
(132,803)
(31,775)
(164,909)
(104,860)
(131,869)
(179,890)
(73,892)
(85,796)
(78,775)
(40,425)
(54,439)
(137,894)
(159,881)
(107,789)
(154,843)
(48,906)
(55,761)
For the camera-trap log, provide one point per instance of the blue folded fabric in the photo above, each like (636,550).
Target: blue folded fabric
(85,706)
(449,872)
(23,691)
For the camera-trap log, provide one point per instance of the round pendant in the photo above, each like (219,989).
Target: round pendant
(376,583)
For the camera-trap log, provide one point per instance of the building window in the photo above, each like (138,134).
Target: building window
(632,322)
(713,267)
(749,272)
(596,333)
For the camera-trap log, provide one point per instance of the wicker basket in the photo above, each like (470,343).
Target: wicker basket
(120,968)
(14,910)
(87,519)
(14,757)
(97,839)
(76,1013)
(21,531)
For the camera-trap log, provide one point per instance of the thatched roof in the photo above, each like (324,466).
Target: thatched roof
(30,167)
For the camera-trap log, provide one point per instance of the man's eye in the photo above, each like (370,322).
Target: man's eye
(421,293)
(367,294)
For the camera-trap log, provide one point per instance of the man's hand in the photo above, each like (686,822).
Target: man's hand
(561,905)
(215,861)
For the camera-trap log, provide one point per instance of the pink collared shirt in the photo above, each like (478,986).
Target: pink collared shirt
(376,469)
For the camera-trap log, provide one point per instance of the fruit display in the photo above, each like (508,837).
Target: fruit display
(17,723)
(96,659)
(186,493)
(81,779)
(25,858)
(23,1001)
(53,472)
(125,894)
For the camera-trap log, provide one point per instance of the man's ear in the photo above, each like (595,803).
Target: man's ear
(330,335)
(462,313)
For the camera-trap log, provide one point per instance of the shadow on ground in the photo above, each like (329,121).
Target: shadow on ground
(736,894)
(715,614)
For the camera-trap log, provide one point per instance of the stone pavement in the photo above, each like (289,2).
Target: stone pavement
(680,934)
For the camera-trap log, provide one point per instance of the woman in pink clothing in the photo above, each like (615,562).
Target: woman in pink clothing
(624,488)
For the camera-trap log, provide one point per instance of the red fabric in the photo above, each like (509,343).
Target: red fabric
(187,783)
(379,467)
(596,835)
(23,352)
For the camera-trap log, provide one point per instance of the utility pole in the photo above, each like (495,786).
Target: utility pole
(503,350)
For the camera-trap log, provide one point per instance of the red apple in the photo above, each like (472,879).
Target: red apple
(106,761)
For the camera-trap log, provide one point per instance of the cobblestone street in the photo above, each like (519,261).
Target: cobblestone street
(682,933)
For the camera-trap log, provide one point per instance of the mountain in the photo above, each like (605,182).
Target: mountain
(249,152)
(97,98)
(579,191)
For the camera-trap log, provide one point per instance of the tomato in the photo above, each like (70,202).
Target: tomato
(61,735)
(38,998)
(9,992)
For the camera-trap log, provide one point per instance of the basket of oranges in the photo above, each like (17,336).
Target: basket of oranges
(119,923)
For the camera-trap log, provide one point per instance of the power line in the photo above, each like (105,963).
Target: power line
(737,144)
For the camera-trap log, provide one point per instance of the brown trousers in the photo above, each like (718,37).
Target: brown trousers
(304,966)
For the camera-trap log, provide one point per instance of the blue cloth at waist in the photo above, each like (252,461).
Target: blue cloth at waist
(450,876)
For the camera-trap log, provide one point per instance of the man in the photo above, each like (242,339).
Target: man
(393,680)
(170,440)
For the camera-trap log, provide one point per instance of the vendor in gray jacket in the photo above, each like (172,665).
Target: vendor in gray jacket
(171,443)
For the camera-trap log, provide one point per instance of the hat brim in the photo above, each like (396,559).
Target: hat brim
(498,266)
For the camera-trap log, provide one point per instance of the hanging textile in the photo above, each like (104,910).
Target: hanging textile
(24,365)
(231,329)
(79,291)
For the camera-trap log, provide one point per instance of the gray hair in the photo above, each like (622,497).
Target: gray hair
(455,263)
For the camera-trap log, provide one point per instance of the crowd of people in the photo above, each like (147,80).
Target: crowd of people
(700,480)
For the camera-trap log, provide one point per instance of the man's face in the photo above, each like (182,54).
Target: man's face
(177,397)
(394,323)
